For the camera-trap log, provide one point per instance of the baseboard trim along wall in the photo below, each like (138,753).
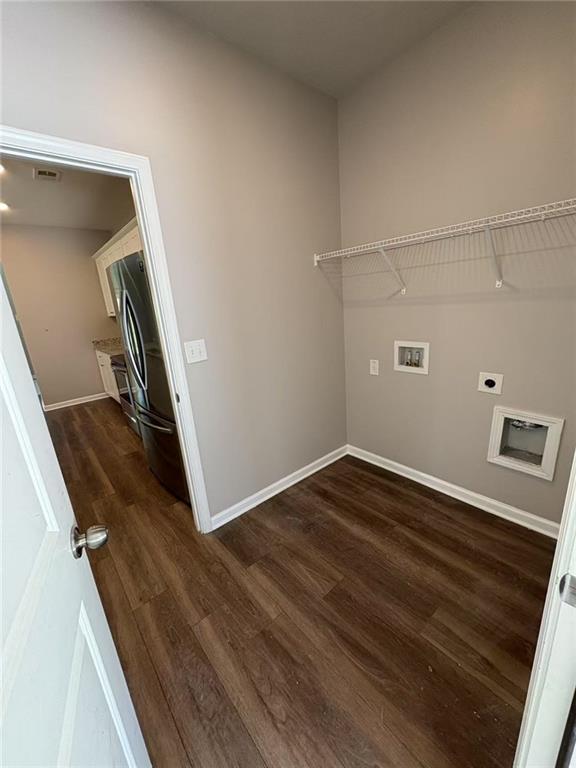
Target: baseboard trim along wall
(495,507)
(76,401)
(221,518)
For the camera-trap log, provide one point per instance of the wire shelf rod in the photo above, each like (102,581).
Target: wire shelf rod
(450,262)
(523,216)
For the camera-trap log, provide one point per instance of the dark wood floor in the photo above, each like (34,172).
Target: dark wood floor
(357,619)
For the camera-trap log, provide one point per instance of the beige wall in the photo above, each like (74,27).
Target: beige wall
(246,174)
(56,292)
(476,120)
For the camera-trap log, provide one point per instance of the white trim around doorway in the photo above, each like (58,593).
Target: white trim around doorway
(27,145)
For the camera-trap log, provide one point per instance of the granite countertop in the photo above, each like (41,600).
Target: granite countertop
(111,346)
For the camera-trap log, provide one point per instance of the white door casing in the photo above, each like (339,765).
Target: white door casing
(64,696)
(553,679)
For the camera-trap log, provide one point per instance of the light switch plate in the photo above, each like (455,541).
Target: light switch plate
(490,382)
(374,367)
(195,351)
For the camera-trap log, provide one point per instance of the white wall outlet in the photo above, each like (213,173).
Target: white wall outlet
(195,351)
(374,367)
(490,382)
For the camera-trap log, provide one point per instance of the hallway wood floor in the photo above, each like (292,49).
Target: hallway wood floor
(357,619)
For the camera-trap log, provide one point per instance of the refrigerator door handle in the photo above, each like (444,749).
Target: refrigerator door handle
(121,323)
(128,340)
(166,430)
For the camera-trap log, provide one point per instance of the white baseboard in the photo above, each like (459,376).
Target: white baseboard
(495,507)
(76,401)
(280,485)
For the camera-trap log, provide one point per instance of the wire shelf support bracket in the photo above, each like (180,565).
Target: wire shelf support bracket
(494,257)
(394,271)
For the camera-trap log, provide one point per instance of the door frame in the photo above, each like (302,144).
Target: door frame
(27,145)
(548,629)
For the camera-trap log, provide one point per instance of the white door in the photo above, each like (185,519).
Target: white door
(64,696)
(553,681)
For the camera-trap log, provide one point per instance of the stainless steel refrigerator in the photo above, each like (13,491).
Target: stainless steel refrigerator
(147,372)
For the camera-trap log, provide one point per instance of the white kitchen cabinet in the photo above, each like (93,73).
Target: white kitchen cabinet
(124,242)
(131,243)
(101,265)
(107,374)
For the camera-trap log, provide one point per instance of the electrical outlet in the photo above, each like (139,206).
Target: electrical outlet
(195,351)
(490,382)
(374,367)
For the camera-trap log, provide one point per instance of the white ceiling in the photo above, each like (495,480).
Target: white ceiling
(331,46)
(80,200)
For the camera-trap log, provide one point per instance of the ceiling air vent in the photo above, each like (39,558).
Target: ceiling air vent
(47,174)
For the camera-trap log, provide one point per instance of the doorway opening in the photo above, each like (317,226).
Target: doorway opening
(95,211)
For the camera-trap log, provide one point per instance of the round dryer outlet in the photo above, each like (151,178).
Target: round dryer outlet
(490,382)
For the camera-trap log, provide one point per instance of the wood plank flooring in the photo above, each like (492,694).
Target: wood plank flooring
(357,619)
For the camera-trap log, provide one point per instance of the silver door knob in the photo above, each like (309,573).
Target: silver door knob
(568,589)
(94,538)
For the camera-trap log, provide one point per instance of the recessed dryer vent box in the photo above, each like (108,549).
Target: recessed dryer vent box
(527,442)
(411,356)
(491,382)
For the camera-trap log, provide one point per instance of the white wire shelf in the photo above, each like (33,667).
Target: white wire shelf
(539,212)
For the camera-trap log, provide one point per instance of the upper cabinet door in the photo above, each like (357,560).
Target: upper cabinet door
(115,253)
(127,244)
(131,243)
(102,263)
